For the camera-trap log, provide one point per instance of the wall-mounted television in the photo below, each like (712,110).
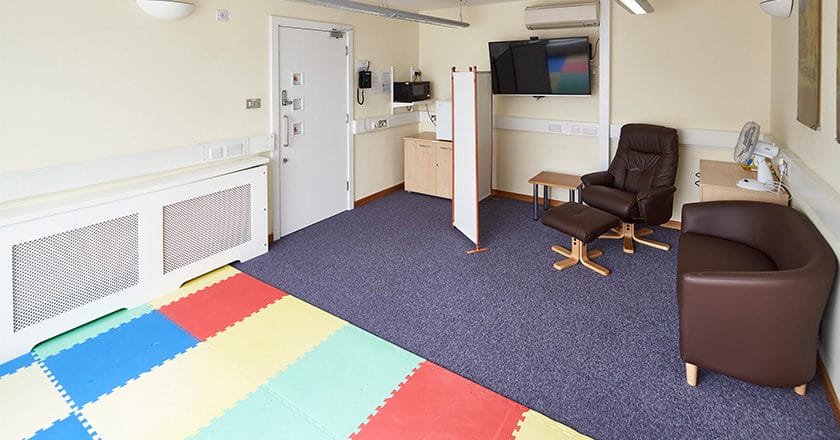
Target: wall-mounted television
(555,66)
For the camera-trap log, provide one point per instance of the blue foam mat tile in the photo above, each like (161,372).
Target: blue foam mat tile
(65,429)
(15,364)
(98,365)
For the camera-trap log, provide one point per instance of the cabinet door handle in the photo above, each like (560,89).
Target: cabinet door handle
(425,146)
(445,148)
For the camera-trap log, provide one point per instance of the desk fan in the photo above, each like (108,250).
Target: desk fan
(751,150)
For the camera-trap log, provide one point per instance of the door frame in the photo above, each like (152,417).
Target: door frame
(276,128)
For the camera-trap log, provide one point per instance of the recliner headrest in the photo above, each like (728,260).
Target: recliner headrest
(647,138)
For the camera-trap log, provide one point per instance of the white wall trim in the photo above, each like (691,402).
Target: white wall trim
(811,190)
(30,183)
(368,125)
(604,89)
(688,136)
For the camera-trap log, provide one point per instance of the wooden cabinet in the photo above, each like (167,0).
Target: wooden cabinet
(718,181)
(428,165)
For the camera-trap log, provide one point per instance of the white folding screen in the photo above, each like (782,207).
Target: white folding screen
(471,144)
(484,128)
(464,163)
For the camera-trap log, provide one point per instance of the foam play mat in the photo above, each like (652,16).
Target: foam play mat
(228,356)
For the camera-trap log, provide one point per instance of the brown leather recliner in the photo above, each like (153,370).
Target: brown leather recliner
(638,187)
(753,280)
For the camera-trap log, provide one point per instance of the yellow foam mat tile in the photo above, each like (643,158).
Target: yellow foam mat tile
(173,400)
(176,399)
(272,339)
(195,285)
(29,402)
(536,426)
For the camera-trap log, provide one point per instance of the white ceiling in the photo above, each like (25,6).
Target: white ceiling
(425,5)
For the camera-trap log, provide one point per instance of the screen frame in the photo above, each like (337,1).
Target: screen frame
(545,40)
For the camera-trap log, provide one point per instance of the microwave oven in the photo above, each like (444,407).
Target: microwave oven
(412,91)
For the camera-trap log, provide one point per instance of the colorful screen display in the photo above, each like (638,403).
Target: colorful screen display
(557,66)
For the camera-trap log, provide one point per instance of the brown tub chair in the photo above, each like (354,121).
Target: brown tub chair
(753,280)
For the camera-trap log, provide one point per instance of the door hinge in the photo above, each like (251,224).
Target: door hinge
(346,50)
(348,185)
(346,118)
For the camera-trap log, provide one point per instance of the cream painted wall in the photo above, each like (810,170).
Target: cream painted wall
(818,149)
(682,66)
(102,79)
(689,65)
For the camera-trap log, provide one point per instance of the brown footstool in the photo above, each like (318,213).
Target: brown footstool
(584,224)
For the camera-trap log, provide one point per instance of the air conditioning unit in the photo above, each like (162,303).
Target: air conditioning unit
(565,15)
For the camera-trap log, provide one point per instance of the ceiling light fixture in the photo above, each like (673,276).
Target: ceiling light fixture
(636,6)
(777,8)
(364,8)
(166,9)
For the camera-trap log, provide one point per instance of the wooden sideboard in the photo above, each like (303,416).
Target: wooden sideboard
(718,182)
(428,165)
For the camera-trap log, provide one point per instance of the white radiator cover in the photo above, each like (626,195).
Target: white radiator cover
(65,265)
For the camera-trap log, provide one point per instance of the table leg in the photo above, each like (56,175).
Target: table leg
(571,195)
(545,197)
(536,201)
(580,200)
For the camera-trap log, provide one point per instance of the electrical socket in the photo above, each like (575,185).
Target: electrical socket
(433,118)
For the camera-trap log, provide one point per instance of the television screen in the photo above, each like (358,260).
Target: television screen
(557,66)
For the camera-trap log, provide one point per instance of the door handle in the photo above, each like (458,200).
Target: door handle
(425,146)
(286,128)
(284,98)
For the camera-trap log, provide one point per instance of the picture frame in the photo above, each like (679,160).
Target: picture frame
(808,75)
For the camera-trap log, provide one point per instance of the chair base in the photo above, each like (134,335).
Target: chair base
(628,233)
(691,378)
(579,254)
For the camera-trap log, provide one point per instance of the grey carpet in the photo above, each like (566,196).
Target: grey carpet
(600,354)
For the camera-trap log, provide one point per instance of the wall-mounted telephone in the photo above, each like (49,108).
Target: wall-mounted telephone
(365,80)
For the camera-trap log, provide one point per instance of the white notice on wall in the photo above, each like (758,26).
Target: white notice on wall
(385,87)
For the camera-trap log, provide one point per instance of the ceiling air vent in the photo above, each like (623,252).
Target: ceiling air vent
(566,15)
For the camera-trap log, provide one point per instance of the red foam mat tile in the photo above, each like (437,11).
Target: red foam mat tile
(217,307)
(435,403)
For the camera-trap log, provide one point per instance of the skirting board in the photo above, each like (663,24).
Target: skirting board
(830,395)
(378,195)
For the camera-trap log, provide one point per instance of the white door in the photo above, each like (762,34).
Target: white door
(314,126)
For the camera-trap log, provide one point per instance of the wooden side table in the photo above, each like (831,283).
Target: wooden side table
(548,179)
(718,182)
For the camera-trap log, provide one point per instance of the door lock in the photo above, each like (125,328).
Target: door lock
(284,98)
(285,160)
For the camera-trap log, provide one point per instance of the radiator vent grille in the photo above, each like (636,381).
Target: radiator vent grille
(58,273)
(197,228)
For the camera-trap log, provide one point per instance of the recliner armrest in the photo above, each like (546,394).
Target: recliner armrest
(603,178)
(656,204)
